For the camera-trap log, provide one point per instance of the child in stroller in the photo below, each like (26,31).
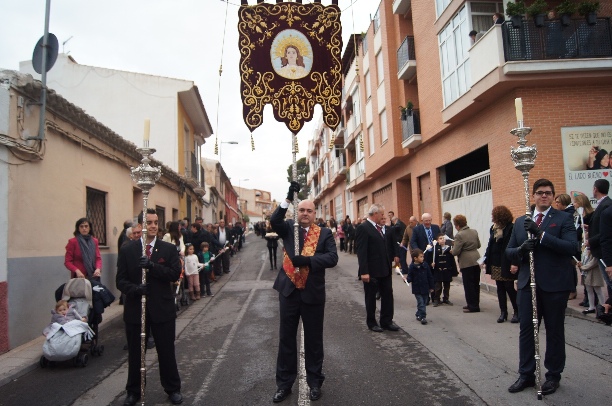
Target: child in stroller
(69,336)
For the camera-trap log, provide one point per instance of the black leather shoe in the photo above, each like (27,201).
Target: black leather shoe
(588,311)
(391,327)
(376,329)
(520,384)
(131,399)
(502,317)
(549,387)
(280,395)
(175,398)
(315,393)
(515,318)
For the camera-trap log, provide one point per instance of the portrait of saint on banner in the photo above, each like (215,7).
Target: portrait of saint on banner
(290,58)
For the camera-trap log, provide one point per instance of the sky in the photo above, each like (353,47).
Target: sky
(184,39)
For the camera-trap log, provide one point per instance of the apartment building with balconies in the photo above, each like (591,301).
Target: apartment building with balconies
(451,151)
(327,171)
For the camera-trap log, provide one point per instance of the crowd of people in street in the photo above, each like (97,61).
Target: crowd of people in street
(563,234)
(568,241)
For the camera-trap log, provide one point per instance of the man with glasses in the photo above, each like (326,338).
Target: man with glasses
(301,286)
(551,235)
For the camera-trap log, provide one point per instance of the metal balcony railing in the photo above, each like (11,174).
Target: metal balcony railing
(405,52)
(411,126)
(191,167)
(556,41)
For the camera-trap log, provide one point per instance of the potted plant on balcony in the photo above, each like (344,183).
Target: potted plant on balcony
(589,9)
(516,10)
(406,111)
(537,10)
(565,11)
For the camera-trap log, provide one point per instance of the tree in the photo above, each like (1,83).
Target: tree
(302,173)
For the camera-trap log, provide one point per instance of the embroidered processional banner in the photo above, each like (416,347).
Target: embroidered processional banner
(290,58)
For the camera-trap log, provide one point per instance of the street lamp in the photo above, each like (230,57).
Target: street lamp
(225,142)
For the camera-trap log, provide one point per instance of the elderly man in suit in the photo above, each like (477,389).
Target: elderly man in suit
(375,256)
(423,236)
(163,267)
(301,286)
(553,240)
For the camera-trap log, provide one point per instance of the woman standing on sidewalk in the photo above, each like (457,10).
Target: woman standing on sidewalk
(498,265)
(465,248)
(82,257)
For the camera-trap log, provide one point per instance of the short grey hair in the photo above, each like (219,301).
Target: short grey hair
(376,208)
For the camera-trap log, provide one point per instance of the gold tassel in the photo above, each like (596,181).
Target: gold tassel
(216,147)
(332,141)
(252,143)
(361,142)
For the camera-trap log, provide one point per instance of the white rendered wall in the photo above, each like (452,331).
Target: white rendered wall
(121,101)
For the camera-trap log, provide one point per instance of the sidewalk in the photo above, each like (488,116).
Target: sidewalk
(25,358)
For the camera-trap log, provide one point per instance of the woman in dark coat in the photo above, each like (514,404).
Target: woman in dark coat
(498,265)
(272,239)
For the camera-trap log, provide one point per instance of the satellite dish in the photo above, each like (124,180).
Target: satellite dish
(52,50)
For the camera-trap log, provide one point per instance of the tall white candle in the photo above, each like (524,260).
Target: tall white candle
(518,104)
(147,129)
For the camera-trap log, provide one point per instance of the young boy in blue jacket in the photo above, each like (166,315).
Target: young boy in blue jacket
(420,276)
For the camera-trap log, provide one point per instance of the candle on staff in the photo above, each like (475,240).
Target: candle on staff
(147,129)
(518,104)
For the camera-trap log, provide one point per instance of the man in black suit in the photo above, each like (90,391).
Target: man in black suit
(553,243)
(224,235)
(423,236)
(375,256)
(605,240)
(163,267)
(601,188)
(301,286)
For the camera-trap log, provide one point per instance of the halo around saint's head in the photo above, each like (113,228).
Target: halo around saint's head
(291,54)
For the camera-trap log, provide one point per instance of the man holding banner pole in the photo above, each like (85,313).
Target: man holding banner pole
(301,286)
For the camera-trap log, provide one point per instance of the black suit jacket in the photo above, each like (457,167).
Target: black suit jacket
(595,227)
(160,297)
(605,237)
(326,256)
(374,252)
(552,256)
(419,236)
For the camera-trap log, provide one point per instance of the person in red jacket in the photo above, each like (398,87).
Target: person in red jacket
(83,258)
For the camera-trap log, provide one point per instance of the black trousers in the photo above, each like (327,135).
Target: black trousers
(506,289)
(551,307)
(204,282)
(272,252)
(225,260)
(471,286)
(385,287)
(442,289)
(292,308)
(164,335)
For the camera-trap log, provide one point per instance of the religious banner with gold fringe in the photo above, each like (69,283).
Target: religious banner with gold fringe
(290,58)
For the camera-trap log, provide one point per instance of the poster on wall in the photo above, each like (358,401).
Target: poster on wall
(586,157)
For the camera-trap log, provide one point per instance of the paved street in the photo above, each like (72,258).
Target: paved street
(226,348)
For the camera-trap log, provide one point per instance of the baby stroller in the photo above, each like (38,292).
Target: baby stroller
(75,340)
